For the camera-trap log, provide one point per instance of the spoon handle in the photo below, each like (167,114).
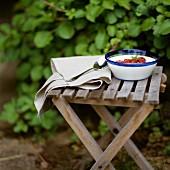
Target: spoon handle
(76,77)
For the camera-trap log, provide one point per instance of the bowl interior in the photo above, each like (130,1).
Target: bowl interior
(129,56)
(113,56)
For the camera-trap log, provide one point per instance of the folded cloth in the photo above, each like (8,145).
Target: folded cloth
(64,69)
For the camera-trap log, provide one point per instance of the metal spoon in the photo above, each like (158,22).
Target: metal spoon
(100,63)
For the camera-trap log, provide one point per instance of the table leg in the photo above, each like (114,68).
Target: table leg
(131,148)
(78,127)
(122,137)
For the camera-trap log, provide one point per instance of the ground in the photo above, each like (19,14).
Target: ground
(20,153)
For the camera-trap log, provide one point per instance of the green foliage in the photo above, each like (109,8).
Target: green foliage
(22,115)
(155,136)
(40,30)
(166,150)
(152,119)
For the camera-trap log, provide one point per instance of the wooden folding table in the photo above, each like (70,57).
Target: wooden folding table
(141,97)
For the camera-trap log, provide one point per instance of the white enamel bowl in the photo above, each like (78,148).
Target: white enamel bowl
(131,71)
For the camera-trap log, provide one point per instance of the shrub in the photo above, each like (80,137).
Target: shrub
(43,29)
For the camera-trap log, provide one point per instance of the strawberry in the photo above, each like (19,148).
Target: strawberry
(134,61)
(127,60)
(142,60)
(120,61)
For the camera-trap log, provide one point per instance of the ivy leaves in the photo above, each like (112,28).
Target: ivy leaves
(43,38)
(101,39)
(162,28)
(39,32)
(65,30)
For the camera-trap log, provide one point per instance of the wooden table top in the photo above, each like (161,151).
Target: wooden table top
(119,92)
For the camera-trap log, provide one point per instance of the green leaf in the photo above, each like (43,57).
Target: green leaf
(27,88)
(160,42)
(23,71)
(20,127)
(124,3)
(114,41)
(69,50)
(34,121)
(110,18)
(119,12)
(81,48)
(31,24)
(47,123)
(18,20)
(152,3)
(23,4)
(168,52)
(160,18)
(134,29)
(119,34)
(111,29)
(165,27)
(161,9)
(148,23)
(47,72)
(138,1)
(28,116)
(80,24)
(10,117)
(93,11)
(80,13)
(95,2)
(82,38)
(65,30)
(101,39)
(35,57)
(12,54)
(165,2)
(5,28)
(3,40)
(167,13)
(25,50)
(15,38)
(24,103)
(43,38)
(156,29)
(141,10)
(36,73)
(162,28)
(108,4)
(93,50)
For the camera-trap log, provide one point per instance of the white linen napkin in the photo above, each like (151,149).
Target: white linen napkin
(64,69)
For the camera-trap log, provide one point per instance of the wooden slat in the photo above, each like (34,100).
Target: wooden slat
(101,101)
(140,90)
(96,94)
(125,90)
(69,93)
(54,93)
(82,93)
(112,89)
(154,89)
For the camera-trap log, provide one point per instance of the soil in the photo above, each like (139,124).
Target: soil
(19,153)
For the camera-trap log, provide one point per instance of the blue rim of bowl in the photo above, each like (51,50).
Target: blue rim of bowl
(132,52)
